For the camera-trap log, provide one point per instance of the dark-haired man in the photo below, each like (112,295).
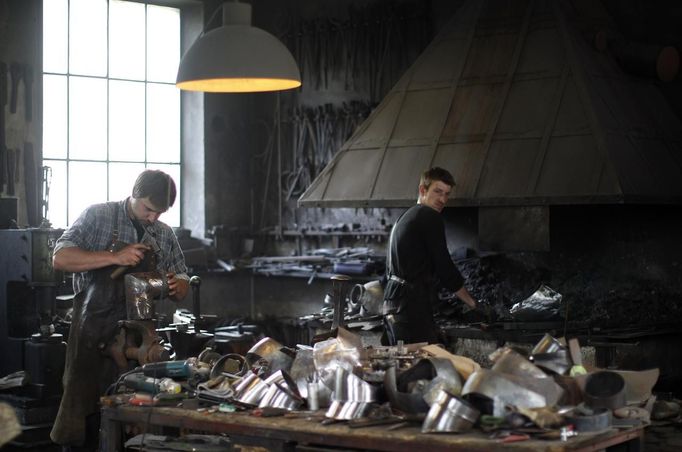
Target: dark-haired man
(104,237)
(418,263)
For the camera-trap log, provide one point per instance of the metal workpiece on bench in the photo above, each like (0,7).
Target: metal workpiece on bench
(277,356)
(142,290)
(195,284)
(513,390)
(339,292)
(450,413)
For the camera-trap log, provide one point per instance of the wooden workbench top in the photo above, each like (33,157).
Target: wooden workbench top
(310,431)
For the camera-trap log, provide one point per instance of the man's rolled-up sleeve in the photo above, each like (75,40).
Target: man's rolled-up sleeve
(81,234)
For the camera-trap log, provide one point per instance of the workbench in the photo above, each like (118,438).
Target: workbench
(284,434)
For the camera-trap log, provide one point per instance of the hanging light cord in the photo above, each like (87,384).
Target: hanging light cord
(210,21)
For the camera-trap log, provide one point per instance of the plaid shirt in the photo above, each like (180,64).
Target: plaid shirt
(94,231)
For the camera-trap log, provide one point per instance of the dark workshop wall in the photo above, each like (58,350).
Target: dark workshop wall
(245,152)
(192,132)
(21,117)
(230,159)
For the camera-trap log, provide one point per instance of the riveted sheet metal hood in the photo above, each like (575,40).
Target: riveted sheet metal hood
(513,100)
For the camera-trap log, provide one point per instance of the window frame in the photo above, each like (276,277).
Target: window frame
(107,161)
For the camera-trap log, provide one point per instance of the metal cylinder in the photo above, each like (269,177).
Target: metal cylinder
(142,289)
(195,283)
(339,292)
(313,396)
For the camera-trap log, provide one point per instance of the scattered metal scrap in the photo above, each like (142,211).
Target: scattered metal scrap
(324,261)
(515,400)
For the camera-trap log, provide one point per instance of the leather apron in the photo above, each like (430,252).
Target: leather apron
(87,372)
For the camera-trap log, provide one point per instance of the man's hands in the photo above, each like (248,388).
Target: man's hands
(177,287)
(131,255)
(74,259)
(487,311)
(483,312)
(464,295)
(475,310)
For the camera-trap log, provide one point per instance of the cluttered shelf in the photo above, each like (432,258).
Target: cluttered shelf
(394,398)
(322,233)
(361,263)
(307,428)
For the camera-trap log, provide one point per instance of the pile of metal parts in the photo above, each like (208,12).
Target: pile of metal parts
(357,308)
(548,394)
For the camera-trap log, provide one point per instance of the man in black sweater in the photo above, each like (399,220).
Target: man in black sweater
(418,263)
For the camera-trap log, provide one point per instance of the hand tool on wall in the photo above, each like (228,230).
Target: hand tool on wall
(3,83)
(3,102)
(15,70)
(11,165)
(45,197)
(31,185)
(28,93)
(3,167)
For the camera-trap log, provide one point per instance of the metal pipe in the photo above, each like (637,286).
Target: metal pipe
(195,283)
(339,297)
(279,167)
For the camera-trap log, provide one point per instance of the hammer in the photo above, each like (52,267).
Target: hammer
(151,241)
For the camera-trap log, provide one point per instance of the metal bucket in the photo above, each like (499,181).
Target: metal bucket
(450,413)
(604,390)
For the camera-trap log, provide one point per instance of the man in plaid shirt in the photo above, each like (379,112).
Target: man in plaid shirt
(104,237)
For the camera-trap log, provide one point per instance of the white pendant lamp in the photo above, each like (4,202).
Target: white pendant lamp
(237,58)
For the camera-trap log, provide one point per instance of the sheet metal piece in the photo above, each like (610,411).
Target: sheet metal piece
(513,390)
(446,379)
(638,384)
(349,386)
(347,409)
(271,351)
(558,362)
(435,374)
(450,413)
(510,362)
(278,397)
(250,389)
(543,304)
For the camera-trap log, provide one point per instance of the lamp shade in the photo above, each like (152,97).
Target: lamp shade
(237,58)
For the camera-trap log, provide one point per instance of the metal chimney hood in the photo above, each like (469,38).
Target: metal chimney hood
(514,101)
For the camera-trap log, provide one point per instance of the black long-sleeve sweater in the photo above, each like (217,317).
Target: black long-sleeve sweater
(419,252)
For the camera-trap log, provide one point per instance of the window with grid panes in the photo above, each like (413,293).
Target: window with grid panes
(110,105)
